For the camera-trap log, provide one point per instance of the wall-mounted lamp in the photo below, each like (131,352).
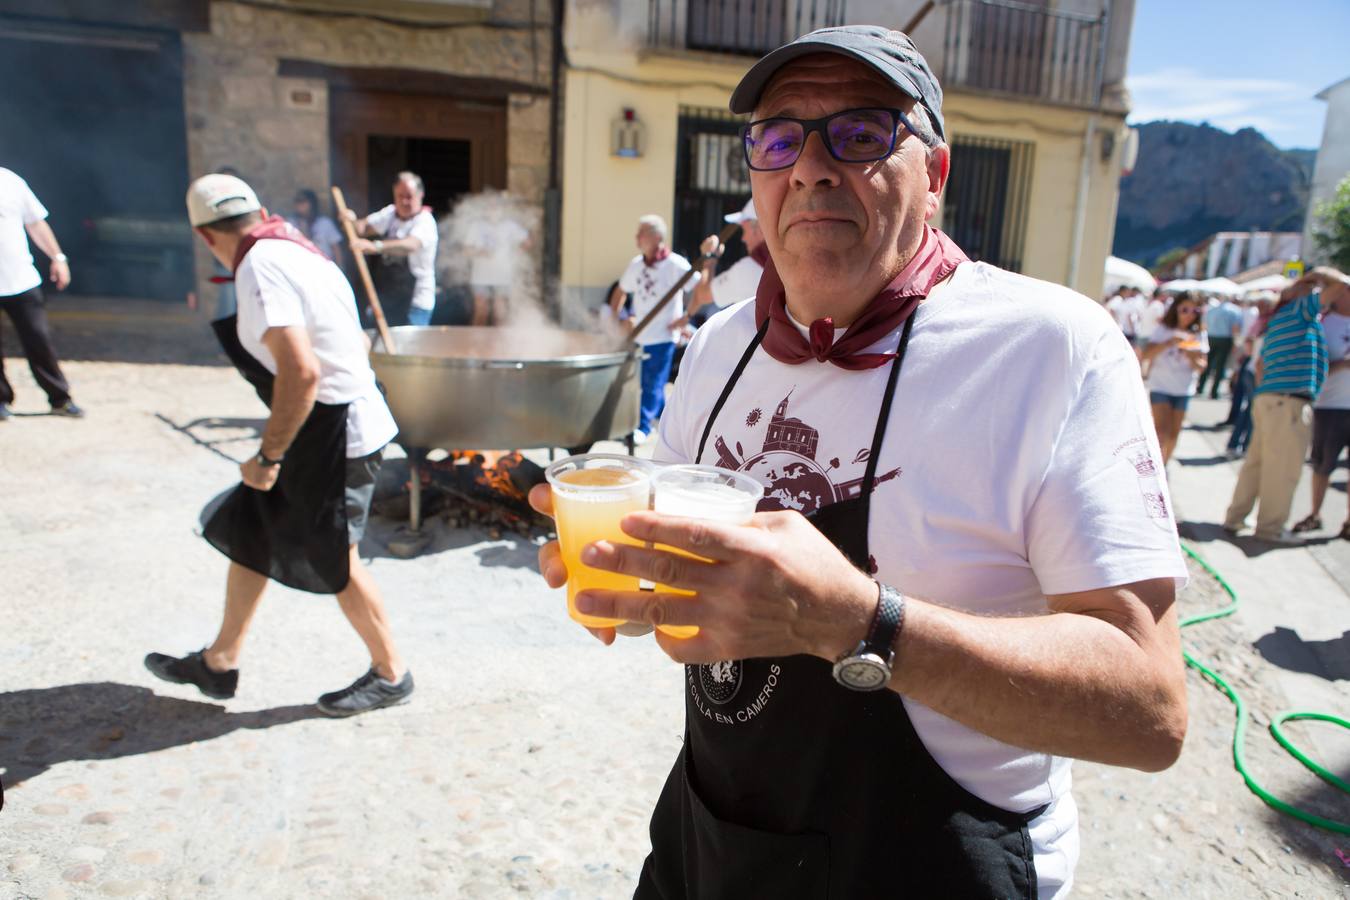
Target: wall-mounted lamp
(627,136)
(1108,145)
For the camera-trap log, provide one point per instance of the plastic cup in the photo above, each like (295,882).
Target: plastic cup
(591,493)
(701,492)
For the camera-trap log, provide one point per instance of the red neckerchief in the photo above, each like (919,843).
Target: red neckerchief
(276,228)
(761,255)
(936,258)
(662,252)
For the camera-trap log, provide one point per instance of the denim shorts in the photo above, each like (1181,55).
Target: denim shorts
(1172,400)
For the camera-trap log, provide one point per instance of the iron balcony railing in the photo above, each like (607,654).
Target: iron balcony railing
(739,27)
(1025,48)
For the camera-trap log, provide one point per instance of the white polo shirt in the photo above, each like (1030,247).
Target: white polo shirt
(281,284)
(19,207)
(422,261)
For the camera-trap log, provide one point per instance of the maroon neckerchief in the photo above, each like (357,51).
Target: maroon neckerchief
(761,255)
(275,228)
(661,253)
(937,258)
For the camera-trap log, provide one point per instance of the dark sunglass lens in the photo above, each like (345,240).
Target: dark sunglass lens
(862,135)
(773,143)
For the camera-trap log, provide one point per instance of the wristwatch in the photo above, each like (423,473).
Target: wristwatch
(61,257)
(867,667)
(263,460)
(379,246)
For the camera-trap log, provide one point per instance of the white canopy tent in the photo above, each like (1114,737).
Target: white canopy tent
(1268,283)
(1179,285)
(1220,287)
(1121,273)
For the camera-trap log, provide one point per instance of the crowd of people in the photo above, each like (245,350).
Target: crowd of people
(1289,383)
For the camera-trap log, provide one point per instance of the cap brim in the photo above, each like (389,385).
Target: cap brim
(747,93)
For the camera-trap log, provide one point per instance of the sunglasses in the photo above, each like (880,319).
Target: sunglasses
(852,136)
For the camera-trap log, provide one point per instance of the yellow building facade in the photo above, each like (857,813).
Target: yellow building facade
(1035,174)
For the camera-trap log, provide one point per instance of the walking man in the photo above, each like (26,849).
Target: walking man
(1223,324)
(649,276)
(302,508)
(884,697)
(1289,375)
(22,216)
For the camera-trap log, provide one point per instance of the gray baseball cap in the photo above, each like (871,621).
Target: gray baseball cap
(891,54)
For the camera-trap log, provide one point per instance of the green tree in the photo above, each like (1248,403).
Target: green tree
(1169,259)
(1332,232)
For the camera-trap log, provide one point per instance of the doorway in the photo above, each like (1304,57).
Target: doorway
(445,168)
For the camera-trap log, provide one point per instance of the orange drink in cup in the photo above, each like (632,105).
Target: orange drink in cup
(701,492)
(591,493)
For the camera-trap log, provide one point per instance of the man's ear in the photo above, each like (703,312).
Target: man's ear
(939,167)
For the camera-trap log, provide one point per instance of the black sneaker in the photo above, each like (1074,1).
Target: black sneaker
(368,692)
(69,410)
(5,414)
(192,669)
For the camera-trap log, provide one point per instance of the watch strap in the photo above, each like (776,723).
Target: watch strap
(887,622)
(266,461)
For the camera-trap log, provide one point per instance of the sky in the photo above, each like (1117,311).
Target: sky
(1238,63)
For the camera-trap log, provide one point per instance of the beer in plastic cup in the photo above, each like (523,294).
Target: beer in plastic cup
(701,492)
(591,493)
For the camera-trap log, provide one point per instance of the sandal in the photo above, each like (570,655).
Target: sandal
(1313,523)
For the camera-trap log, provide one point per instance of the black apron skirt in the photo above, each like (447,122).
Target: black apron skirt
(817,791)
(296,533)
(394,285)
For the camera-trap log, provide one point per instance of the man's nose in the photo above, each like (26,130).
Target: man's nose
(815,165)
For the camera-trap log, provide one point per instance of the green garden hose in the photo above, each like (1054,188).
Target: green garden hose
(1240,731)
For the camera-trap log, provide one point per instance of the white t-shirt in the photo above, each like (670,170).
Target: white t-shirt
(1150,314)
(1034,470)
(1171,371)
(19,207)
(498,245)
(1126,311)
(422,261)
(648,284)
(1335,393)
(281,284)
(1250,316)
(737,283)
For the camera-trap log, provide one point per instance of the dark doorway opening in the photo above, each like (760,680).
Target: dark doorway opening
(93,121)
(445,167)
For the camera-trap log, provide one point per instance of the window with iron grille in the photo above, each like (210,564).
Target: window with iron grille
(988,194)
(711,178)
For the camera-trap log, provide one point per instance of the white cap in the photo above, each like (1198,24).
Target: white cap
(747,212)
(215,197)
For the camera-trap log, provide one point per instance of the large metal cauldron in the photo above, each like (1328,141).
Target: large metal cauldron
(504,388)
(468,388)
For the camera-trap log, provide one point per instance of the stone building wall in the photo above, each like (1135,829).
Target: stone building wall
(274,130)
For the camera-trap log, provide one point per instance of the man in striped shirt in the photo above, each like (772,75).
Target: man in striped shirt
(1290,372)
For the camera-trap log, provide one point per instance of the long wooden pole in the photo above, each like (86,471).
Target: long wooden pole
(380,324)
(725,235)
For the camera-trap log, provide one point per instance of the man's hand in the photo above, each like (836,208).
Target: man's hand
(60,274)
(711,246)
(258,476)
(776,587)
(349,215)
(361,245)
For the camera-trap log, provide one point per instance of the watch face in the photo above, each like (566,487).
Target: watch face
(863,674)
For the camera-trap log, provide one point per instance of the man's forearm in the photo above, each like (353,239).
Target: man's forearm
(292,400)
(401,247)
(44,237)
(1067,684)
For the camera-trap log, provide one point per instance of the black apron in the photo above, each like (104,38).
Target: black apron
(296,533)
(817,791)
(394,283)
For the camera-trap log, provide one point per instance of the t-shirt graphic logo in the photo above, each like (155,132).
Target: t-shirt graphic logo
(720,681)
(786,465)
(1148,476)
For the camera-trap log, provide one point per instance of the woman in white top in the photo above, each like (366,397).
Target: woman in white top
(1176,354)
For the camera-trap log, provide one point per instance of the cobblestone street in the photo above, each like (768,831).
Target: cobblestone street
(527,762)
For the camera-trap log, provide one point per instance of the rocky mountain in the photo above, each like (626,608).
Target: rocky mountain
(1193,180)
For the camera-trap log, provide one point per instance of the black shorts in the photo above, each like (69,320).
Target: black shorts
(1331,435)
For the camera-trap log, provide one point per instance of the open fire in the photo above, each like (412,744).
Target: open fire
(484,488)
